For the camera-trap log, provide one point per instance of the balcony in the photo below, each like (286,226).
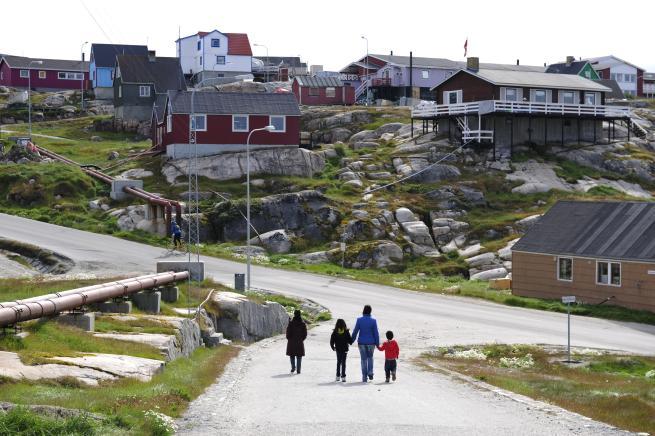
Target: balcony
(502,106)
(381,81)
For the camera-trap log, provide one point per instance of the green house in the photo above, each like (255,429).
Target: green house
(571,66)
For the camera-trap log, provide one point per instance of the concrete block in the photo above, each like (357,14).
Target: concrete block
(84,321)
(117,186)
(170,294)
(214,340)
(115,307)
(196,269)
(147,301)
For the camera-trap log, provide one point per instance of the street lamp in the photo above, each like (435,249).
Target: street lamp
(367,79)
(82,70)
(266,67)
(269,128)
(29,93)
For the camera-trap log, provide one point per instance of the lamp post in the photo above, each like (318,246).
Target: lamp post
(367,79)
(266,67)
(29,94)
(82,80)
(269,128)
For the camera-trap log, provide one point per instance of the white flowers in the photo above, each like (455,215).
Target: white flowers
(523,362)
(651,374)
(162,422)
(470,354)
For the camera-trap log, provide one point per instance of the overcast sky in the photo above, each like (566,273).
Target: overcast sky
(329,33)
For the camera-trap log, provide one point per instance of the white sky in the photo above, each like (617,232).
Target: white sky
(328,32)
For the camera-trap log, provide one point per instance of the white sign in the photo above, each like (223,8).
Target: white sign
(348,76)
(651,272)
(568,299)
(342,247)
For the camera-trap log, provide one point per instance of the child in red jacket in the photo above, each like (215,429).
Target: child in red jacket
(391,353)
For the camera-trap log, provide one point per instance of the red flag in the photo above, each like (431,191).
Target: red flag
(466,44)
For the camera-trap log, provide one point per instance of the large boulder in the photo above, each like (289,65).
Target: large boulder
(363,230)
(377,254)
(364,135)
(404,215)
(496,273)
(527,223)
(308,214)
(418,232)
(228,166)
(240,319)
(388,128)
(481,260)
(275,241)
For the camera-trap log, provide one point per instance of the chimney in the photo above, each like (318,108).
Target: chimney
(473,63)
(570,60)
(151,56)
(517,62)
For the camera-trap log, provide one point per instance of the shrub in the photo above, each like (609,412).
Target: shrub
(159,424)
(340,150)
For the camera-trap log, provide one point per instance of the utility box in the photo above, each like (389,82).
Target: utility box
(239,282)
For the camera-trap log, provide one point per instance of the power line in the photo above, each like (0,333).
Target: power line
(96,21)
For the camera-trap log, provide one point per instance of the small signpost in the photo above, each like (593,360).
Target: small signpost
(342,247)
(568,299)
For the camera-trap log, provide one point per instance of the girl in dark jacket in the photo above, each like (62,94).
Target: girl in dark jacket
(296,335)
(339,341)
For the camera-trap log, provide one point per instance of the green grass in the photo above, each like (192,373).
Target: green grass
(126,401)
(607,388)
(21,421)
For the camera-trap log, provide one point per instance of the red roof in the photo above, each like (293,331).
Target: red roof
(238,44)
(201,34)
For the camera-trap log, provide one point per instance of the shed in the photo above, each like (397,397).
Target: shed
(320,91)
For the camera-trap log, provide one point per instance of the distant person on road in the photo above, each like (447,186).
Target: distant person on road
(296,335)
(177,234)
(369,338)
(391,353)
(340,342)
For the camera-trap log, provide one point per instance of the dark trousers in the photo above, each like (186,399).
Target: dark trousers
(296,361)
(389,367)
(177,240)
(341,363)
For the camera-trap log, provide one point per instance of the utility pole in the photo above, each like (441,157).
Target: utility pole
(29,94)
(368,82)
(82,70)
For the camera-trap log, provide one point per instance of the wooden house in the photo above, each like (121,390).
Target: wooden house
(321,91)
(49,75)
(600,252)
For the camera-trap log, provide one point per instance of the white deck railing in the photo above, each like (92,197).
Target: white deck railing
(491,106)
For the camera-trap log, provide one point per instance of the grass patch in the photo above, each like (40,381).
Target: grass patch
(607,388)
(21,421)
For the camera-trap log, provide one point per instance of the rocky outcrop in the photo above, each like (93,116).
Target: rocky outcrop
(275,241)
(308,214)
(238,318)
(424,173)
(376,254)
(228,166)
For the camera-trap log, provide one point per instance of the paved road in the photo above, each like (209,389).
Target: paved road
(257,395)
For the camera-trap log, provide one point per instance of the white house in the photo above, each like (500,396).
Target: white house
(629,76)
(215,54)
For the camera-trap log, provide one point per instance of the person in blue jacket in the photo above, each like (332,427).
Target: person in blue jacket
(366,328)
(177,234)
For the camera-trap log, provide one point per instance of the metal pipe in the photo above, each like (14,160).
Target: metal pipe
(51,306)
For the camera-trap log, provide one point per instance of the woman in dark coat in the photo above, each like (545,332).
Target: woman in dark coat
(296,335)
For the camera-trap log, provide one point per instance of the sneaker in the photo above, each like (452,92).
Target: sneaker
(393,376)
(293,370)
(364,380)
(338,378)
(343,379)
(370,377)
(386,380)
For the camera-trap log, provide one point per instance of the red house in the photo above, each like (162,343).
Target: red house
(224,120)
(49,75)
(321,91)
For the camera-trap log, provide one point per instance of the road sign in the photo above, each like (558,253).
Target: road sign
(342,246)
(568,299)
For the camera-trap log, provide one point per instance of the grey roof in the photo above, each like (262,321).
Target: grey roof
(319,82)
(160,106)
(291,61)
(48,64)
(602,229)
(164,73)
(649,76)
(104,55)
(564,68)
(602,62)
(616,93)
(420,62)
(230,103)
(541,80)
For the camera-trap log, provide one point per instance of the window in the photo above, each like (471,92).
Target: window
(199,41)
(239,123)
(42,74)
(169,123)
(511,94)
(200,60)
(590,98)
(330,92)
(587,74)
(613,76)
(199,124)
(619,77)
(453,97)
(633,78)
(313,91)
(425,74)
(220,60)
(24,74)
(565,269)
(63,75)
(279,122)
(216,42)
(144,91)
(567,97)
(540,96)
(608,273)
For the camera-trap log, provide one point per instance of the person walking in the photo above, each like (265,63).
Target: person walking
(296,335)
(391,353)
(340,342)
(369,338)
(177,234)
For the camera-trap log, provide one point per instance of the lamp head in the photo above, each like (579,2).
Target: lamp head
(270,128)
(38,62)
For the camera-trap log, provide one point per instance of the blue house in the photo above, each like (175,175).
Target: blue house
(102,64)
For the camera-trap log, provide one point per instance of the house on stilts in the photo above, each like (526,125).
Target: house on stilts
(503,108)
